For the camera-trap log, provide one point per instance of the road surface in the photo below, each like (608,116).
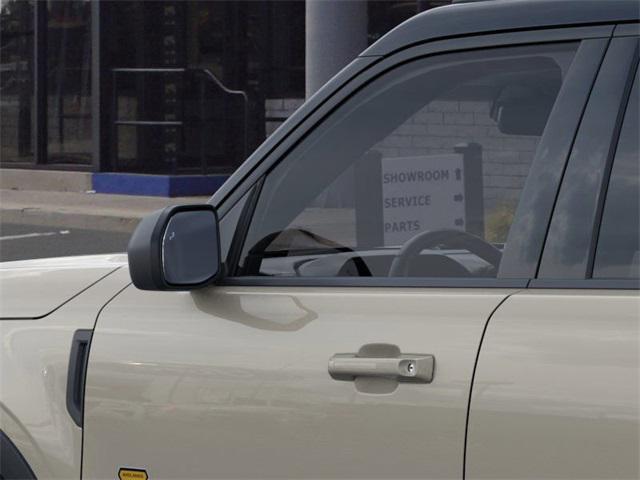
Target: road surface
(22,242)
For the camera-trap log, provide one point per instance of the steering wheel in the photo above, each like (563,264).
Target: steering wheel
(452,238)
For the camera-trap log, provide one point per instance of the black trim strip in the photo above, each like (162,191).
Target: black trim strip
(570,151)
(528,232)
(13,465)
(383,282)
(242,229)
(586,284)
(76,374)
(374,282)
(594,26)
(582,180)
(608,167)
(627,30)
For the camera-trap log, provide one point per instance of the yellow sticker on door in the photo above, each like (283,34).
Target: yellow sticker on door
(132,474)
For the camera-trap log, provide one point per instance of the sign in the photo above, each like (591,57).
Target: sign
(400,197)
(422,193)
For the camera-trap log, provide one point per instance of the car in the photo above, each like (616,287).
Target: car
(430,270)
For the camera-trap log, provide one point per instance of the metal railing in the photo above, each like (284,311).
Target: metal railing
(208,80)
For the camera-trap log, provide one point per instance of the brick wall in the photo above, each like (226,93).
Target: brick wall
(441,125)
(438,128)
(277,110)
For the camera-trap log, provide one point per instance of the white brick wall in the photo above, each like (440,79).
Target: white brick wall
(277,109)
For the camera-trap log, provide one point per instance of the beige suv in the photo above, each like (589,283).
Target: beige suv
(431,270)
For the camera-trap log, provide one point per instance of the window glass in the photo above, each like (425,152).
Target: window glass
(618,250)
(417,174)
(69,122)
(16,81)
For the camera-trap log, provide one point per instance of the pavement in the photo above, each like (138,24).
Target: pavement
(39,224)
(83,210)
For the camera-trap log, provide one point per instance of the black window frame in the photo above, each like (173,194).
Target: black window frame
(629,63)
(356,76)
(610,191)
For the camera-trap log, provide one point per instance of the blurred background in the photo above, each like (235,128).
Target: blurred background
(152,100)
(169,87)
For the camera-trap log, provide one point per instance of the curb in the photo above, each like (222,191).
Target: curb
(39,217)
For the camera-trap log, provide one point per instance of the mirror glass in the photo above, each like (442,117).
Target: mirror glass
(190,251)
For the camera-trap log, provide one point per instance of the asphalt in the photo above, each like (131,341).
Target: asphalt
(23,242)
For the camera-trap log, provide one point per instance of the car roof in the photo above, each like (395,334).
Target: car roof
(488,16)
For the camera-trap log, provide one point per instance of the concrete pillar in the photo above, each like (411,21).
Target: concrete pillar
(336,32)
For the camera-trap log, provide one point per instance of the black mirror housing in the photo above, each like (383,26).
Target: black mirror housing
(177,248)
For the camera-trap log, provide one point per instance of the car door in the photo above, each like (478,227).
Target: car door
(364,266)
(556,391)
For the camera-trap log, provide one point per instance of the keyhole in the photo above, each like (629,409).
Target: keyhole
(411,368)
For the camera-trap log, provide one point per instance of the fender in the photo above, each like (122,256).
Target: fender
(43,360)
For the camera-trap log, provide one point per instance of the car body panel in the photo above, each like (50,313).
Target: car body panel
(556,392)
(55,280)
(33,376)
(233,382)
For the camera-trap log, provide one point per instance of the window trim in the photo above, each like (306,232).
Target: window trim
(559,144)
(627,29)
(586,284)
(396,282)
(255,169)
(242,228)
(604,82)
(613,149)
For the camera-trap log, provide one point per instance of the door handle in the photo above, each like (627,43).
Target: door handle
(406,368)
(382,360)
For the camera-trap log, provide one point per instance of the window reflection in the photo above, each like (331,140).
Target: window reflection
(618,251)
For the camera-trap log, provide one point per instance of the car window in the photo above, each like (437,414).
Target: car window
(618,249)
(418,174)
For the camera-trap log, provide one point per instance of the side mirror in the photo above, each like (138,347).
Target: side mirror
(177,248)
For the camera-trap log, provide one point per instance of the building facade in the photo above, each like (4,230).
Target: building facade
(168,87)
